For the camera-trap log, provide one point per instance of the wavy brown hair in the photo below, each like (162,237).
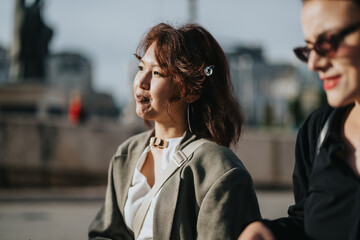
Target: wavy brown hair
(183,54)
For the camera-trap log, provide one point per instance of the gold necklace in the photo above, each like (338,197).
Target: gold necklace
(158,142)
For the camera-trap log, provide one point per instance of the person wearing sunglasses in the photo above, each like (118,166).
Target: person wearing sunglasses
(326,178)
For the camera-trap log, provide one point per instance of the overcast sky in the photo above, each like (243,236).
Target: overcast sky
(108,31)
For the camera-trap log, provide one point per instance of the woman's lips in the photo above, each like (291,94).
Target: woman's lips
(330,82)
(141,98)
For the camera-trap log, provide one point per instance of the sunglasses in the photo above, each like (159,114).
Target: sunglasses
(326,45)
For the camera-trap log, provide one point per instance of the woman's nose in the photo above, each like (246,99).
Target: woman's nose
(144,81)
(317,62)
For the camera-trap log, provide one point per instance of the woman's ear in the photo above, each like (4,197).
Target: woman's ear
(190,98)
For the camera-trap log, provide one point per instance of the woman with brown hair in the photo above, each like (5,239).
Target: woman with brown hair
(179,180)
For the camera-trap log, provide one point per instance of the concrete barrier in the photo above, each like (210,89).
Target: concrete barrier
(268,156)
(54,153)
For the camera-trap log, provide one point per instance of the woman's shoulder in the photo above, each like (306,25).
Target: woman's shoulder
(212,165)
(215,149)
(321,113)
(135,143)
(212,156)
(316,120)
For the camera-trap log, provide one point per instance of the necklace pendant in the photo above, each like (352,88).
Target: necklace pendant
(158,142)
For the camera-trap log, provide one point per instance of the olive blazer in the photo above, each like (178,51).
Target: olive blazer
(210,197)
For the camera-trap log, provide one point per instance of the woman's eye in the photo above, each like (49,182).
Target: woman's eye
(158,74)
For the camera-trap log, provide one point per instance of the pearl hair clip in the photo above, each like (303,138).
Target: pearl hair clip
(209,70)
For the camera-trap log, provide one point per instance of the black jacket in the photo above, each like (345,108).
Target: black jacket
(326,189)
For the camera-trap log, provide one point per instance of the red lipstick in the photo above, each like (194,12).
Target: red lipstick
(330,82)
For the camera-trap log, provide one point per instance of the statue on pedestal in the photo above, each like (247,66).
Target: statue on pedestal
(30,43)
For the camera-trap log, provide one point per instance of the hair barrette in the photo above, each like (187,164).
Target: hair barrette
(209,70)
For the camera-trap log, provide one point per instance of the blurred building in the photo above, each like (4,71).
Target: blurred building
(265,89)
(31,100)
(4,65)
(26,98)
(103,105)
(39,144)
(67,74)
(71,71)
(55,129)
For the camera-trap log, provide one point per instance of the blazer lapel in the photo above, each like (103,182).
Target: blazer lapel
(126,169)
(164,212)
(165,207)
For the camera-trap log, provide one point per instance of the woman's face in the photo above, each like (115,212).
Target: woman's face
(152,92)
(341,73)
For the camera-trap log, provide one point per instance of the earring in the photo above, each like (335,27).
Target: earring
(188,117)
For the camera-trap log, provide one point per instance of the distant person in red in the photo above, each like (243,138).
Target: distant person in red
(76,113)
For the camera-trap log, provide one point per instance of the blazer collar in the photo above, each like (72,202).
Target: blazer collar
(188,137)
(167,201)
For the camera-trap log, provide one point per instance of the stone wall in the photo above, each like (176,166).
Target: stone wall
(268,156)
(56,153)
(35,153)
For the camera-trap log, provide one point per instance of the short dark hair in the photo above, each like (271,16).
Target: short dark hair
(183,54)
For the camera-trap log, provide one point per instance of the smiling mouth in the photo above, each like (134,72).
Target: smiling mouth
(330,82)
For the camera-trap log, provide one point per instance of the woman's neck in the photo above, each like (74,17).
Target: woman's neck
(169,130)
(351,135)
(356,110)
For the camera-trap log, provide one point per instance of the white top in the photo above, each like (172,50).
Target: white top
(139,188)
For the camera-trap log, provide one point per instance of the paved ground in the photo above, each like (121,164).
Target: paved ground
(66,213)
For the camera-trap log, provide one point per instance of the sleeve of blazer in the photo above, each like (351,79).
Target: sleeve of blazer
(292,227)
(228,206)
(109,223)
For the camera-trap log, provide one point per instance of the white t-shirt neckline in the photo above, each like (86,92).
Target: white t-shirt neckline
(140,188)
